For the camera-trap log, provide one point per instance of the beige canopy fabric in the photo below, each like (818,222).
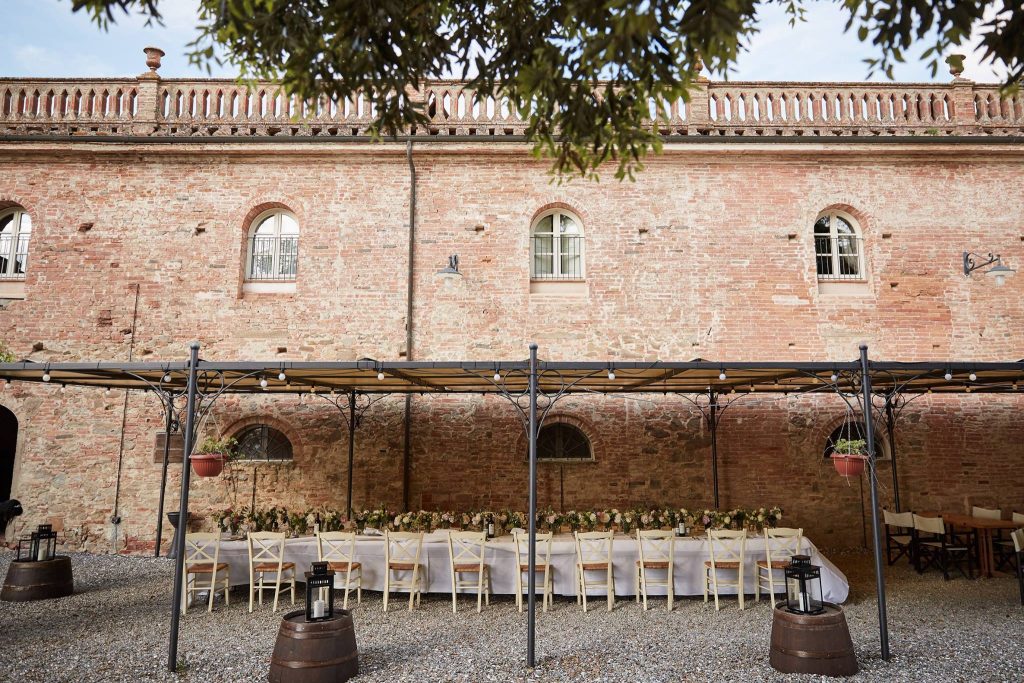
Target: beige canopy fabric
(483,377)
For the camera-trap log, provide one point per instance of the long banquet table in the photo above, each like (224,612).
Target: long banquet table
(690,554)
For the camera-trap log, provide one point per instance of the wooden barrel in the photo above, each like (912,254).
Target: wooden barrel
(812,643)
(38,580)
(315,652)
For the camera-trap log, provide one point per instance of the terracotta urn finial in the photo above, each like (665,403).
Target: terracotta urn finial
(153,55)
(956,64)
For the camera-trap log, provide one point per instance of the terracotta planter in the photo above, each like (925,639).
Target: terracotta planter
(207,464)
(849,465)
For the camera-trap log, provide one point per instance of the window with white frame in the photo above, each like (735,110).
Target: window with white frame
(273,249)
(15,231)
(563,442)
(556,247)
(838,247)
(262,442)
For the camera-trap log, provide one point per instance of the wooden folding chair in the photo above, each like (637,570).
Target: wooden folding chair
(402,551)
(780,545)
(466,550)
(338,550)
(594,554)
(266,556)
(202,570)
(657,553)
(899,535)
(543,565)
(727,552)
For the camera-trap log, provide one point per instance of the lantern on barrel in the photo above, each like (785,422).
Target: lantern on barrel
(319,592)
(41,546)
(803,586)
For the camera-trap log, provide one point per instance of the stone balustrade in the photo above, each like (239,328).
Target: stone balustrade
(151,106)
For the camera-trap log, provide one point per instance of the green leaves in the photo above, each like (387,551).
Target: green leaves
(584,74)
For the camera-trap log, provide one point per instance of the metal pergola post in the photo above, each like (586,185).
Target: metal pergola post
(890,430)
(179,560)
(351,447)
(169,409)
(876,535)
(531,579)
(713,427)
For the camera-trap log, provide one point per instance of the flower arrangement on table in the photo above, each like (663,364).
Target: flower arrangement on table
(547,520)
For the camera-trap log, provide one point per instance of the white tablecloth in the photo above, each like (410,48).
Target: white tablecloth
(690,554)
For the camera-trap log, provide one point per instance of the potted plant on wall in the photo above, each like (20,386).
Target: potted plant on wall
(849,456)
(208,460)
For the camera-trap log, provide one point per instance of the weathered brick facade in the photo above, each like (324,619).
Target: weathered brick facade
(710,254)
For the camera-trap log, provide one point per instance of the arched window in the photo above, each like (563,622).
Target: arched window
(561,441)
(15,231)
(556,247)
(838,247)
(852,431)
(273,251)
(263,442)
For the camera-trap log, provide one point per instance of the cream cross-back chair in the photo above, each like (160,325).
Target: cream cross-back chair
(266,556)
(467,552)
(1018,517)
(402,551)
(202,569)
(543,565)
(657,554)
(338,550)
(727,552)
(594,554)
(780,545)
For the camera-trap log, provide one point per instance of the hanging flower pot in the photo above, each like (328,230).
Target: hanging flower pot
(207,464)
(848,457)
(849,464)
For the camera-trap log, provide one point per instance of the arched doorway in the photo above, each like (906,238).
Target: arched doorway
(8,444)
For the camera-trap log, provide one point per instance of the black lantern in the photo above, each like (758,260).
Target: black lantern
(803,586)
(319,592)
(41,546)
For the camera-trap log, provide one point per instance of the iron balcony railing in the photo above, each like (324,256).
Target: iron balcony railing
(273,259)
(556,257)
(839,258)
(13,257)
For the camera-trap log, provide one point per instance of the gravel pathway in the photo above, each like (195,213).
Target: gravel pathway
(115,629)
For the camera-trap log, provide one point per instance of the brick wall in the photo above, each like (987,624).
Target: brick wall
(709,254)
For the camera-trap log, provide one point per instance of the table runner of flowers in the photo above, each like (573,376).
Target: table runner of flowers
(299,523)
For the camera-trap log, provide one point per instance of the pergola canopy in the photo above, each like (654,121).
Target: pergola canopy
(483,377)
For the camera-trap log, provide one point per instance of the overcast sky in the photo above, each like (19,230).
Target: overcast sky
(44,38)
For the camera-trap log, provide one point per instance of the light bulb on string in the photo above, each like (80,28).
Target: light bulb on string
(834,377)
(497,376)
(973,377)
(167,377)
(611,374)
(380,376)
(948,376)
(281,376)
(263,382)
(721,375)
(62,388)
(46,377)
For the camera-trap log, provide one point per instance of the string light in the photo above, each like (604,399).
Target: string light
(497,376)
(62,388)
(167,377)
(46,377)
(263,382)
(948,376)
(973,377)
(380,376)
(721,375)
(611,374)
(834,377)
(281,376)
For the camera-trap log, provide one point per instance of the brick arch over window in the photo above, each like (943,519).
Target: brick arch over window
(298,447)
(258,210)
(584,426)
(582,214)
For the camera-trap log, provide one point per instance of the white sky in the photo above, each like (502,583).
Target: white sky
(44,38)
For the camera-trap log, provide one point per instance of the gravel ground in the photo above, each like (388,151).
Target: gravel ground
(115,629)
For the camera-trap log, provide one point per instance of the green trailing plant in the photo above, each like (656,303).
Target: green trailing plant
(850,447)
(226,447)
(5,354)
